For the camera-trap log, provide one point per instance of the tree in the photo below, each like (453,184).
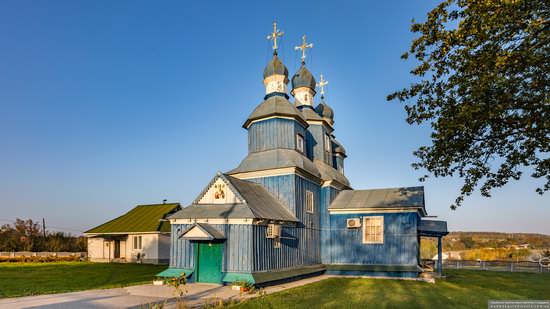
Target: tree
(483,86)
(29,233)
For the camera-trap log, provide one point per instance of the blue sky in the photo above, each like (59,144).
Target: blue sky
(109,104)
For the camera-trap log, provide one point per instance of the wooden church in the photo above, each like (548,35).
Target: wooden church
(288,211)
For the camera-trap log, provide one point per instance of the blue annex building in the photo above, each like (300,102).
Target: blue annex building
(287,210)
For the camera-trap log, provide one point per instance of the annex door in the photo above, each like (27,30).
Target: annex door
(117,249)
(210,262)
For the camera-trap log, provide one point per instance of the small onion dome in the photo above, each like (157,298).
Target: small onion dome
(325,111)
(339,148)
(276,67)
(303,78)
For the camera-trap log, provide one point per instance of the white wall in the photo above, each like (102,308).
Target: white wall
(155,248)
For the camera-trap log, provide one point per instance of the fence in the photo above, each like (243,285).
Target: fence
(509,266)
(56,254)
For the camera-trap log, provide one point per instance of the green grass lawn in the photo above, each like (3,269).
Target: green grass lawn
(22,279)
(461,289)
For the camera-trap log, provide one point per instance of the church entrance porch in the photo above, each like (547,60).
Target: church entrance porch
(209,262)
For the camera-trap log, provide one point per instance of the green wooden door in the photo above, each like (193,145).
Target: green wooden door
(210,263)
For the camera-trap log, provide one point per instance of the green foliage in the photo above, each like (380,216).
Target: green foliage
(178,283)
(39,259)
(428,248)
(483,86)
(23,279)
(462,289)
(27,235)
(468,242)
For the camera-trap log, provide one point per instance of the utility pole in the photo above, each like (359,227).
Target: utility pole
(44,227)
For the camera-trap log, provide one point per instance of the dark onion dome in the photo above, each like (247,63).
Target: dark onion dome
(325,111)
(276,106)
(276,67)
(303,78)
(339,148)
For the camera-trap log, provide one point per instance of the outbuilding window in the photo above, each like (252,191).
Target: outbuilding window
(300,143)
(373,230)
(136,242)
(309,201)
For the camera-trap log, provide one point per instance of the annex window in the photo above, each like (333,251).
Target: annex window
(309,201)
(300,143)
(277,243)
(373,230)
(327,143)
(136,242)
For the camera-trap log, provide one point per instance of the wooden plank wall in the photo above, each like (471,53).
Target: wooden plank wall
(273,133)
(328,194)
(299,245)
(237,249)
(400,241)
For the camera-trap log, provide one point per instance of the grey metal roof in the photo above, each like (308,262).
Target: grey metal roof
(309,113)
(213,233)
(275,106)
(303,78)
(329,173)
(433,227)
(276,66)
(275,158)
(380,198)
(258,203)
(325,111)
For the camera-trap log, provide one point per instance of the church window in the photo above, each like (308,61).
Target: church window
(277,243)
(309,201)
(327,143)
(300,142)
(373,230)
(136,242)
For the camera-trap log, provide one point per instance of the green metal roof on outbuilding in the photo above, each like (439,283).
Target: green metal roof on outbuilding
(143,218)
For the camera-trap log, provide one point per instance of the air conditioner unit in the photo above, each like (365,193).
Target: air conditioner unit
(353,223)
(273,230)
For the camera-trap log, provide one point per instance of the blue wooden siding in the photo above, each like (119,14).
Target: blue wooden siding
(327,195)
(400,245)
(274,133)
(237,249)
(300,245)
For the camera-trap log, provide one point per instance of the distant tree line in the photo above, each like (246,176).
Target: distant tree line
(27,235)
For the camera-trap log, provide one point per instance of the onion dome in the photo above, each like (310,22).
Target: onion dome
(276,67)
(303,78)
(325,111)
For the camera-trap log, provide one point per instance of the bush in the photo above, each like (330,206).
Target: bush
(39,259)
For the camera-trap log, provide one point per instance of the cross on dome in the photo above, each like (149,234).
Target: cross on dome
(303,48)
(321,84)
(274,35)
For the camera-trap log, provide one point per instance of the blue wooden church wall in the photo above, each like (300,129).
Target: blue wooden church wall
(400,245)
(273,133)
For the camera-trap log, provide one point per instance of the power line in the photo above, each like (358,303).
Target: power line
(52,227)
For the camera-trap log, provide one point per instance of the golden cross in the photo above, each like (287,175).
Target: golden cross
(303,48)
(273,36)
(321,84)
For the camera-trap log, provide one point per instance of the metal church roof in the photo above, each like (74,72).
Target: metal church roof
(408,197)
(275,106)
(273,159)
(258,203)
(309,113)
(142,218)
(329,173)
